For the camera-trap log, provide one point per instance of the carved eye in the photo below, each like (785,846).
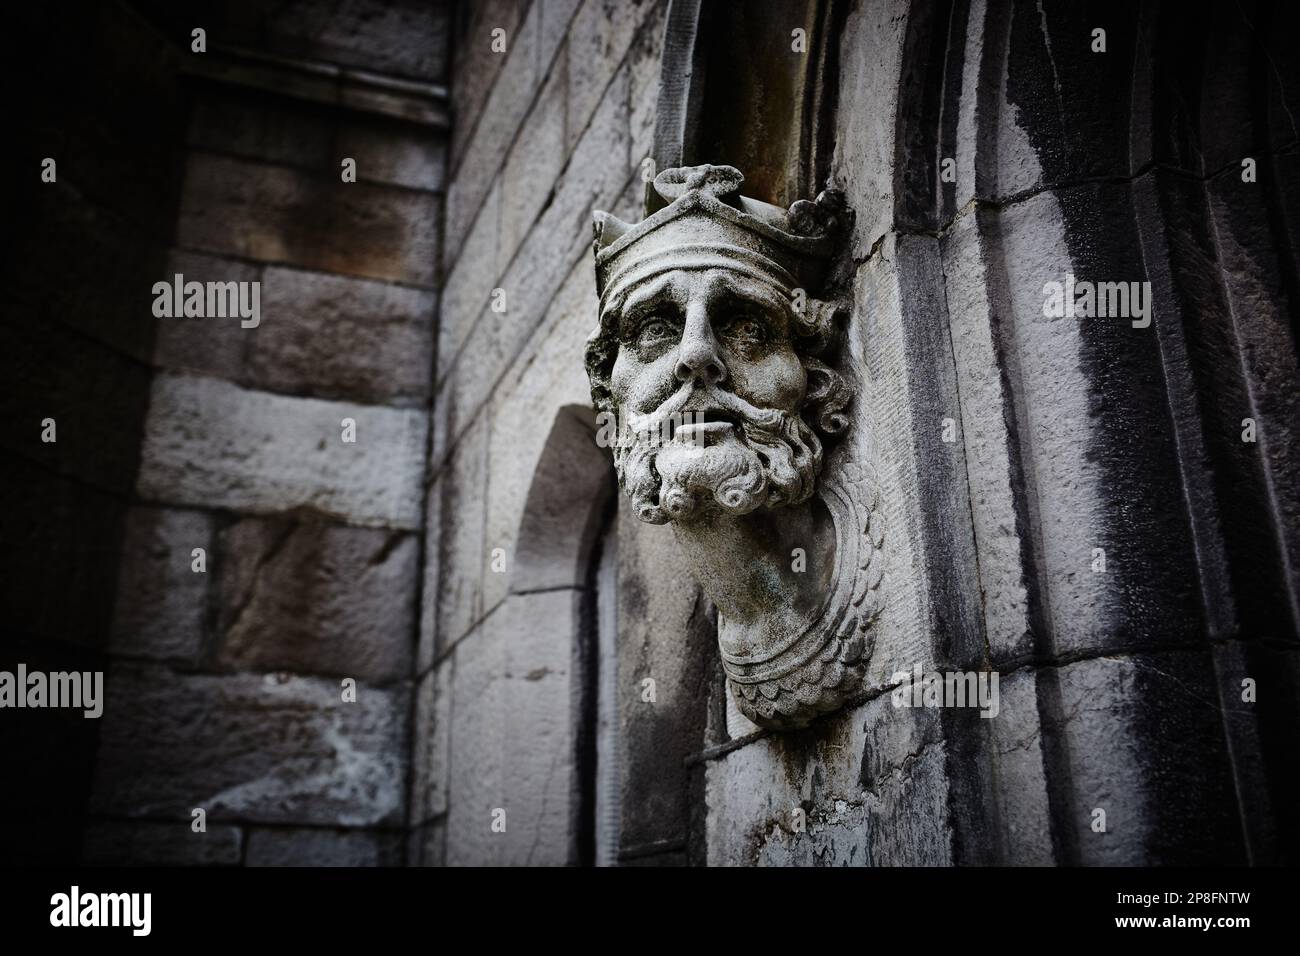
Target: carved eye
(746,328)
(655,329)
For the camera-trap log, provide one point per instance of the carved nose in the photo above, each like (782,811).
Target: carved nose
(697,357)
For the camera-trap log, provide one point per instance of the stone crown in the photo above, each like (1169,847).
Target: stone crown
(708,224)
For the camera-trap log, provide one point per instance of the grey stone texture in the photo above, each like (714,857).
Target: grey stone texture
(112,843)
(162,607)
(302,595)
(211,443)
(262,748)
(279,214)
(225,686)
(1120,690)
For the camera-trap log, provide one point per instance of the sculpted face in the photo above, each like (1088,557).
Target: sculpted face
(702,355)
(714,349)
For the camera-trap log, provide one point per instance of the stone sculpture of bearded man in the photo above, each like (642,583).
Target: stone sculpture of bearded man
(712,356)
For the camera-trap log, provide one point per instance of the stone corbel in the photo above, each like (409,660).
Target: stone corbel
(719,355)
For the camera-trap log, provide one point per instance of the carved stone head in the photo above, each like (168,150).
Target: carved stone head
(714,355)
(710,347)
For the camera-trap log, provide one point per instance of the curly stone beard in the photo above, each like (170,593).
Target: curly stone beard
(772,460)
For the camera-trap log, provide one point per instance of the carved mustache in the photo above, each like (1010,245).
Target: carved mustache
(752,415)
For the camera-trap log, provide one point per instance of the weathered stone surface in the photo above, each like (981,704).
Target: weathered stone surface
(405,37)
(893,814)
(255,748)
(940,477)
(990,447)
(512,745)
(239,208)
(317,138)
(1094,431)
(395,153)
(477,66)
(1141,739)
(536,158)
(302,595)
(214,346)
(493,129)
(469,285)
(161,611)
(305,847)
(479,718)
(211,443)
(143,843)
(427,845)
(1016,737)
(666,635)
(539,387)
(338,337)
(462,558)
(319,334)
(599,37)
(430,768)
(643,85)
(560,237)
(871,49)
(430,567)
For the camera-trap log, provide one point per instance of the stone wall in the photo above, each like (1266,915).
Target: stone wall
(547,129)
(1069,438)
(224,687)
(464,559)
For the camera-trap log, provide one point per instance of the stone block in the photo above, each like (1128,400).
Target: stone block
(1141,738)
(493,129)
(211,443)
(512,745)
(257,748)
(599,38)
(533,165)
(311,597)
(537,389)
(208,346)
(643,89)
(597,176)
(248,210)
(403,38)
(161,609)
(471,277)
(145,843)
(339,337)
(477,66)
